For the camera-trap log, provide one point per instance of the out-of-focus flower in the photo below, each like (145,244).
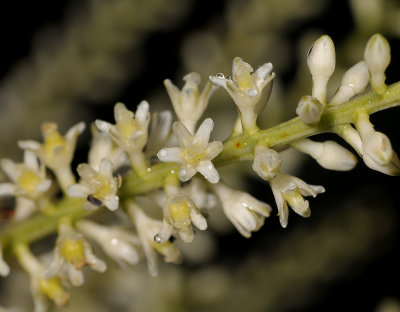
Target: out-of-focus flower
(4,268)
(71,253)
(195,152)
(116,242)
(245,212)
(188,104)
(99,187)
(148,229)
(309,109)
(57,151)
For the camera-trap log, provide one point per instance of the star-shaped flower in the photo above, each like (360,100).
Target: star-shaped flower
(246,88)
(99,187)
(195,152)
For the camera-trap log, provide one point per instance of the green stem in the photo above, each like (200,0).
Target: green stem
(235,149)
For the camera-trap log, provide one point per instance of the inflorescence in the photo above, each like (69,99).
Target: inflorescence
(148,154)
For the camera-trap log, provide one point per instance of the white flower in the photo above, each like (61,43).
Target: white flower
(328,154)
(377,57)
(42,287)
(195,152)
(29,179)
(147,229)
(196,190)
(245,212)
(71,253)
(309,109)
(290,190)
(56,151)
(355,81)
(4,268)
(321,63)
(103,147)
(115,241)
(99,187)
(378,146)
(246,89)
(130,130)
(188,104)
(286,188)
(180,213)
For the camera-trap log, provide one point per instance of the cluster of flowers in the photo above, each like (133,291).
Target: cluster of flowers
(134,141)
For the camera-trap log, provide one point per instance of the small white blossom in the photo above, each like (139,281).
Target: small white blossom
(103,147)
(148,229)
(355,80)
(57,151)
(321,62)
(328,154)
(29,179)
(246,89)
(130,130)
(179,214)
(71,253)
(188,104)
(196,190)
(377,57)
(290,190)
(4,268)
(195,152)
(245,212)
(309,109)
(42,287)
(115,241)
(286,188)
(99,187)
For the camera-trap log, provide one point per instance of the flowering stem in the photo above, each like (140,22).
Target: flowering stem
(236,149)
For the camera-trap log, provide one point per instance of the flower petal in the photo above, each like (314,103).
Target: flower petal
(207,169)
(171,154)
(202,136)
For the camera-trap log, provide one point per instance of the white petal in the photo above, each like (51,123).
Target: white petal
(186,234)
(121,112)
(214,149)
(7,189)
(203,133)
(10,168)
(111,202)
(30,145)
(186,173)
(263,71)
(31,161)
(207,169)
(75,276)
(171,154)
(106,167)
(74,131)
(257,206)
(142,113)
(43,186)
(86,172)
(77,190)
(198,219)
(173,92)
(283,210)
(219,80)
(103,126)
(182,134)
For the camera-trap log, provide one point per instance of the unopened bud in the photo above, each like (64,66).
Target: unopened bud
(267,162)
(309,109)
(330,155)
(355,81)
(321,62)
(377,57)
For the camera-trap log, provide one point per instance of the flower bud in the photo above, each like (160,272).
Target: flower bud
(321,62)
(309,109)
(329,154)
(377,57)
(267,162)
(355,81)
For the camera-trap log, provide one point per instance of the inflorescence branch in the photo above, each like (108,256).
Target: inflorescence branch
(138,156)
